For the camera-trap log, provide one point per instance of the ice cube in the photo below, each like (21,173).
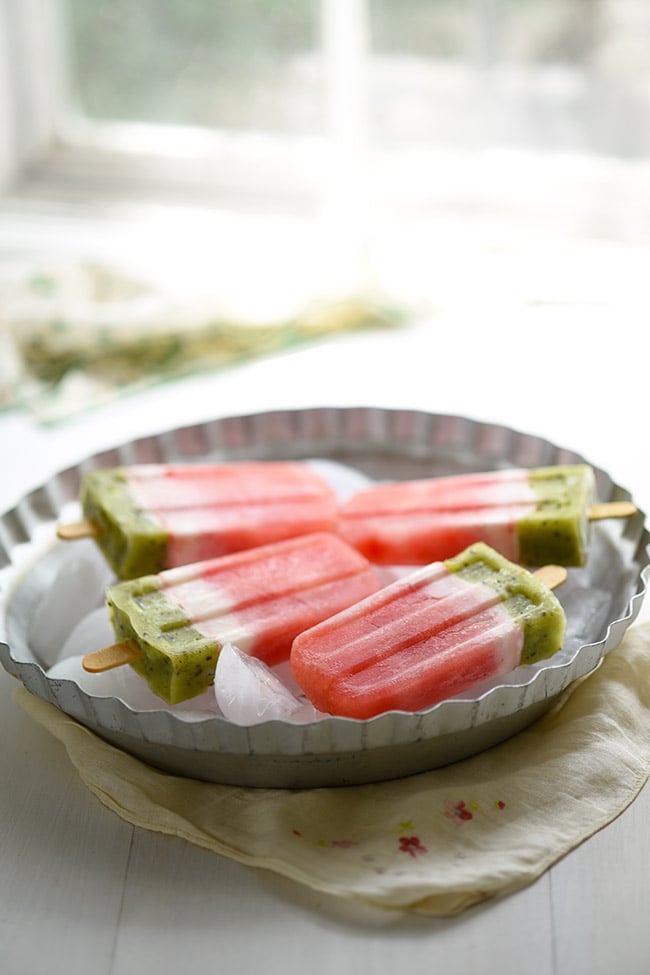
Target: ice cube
(77,589)
(345,480)
(249,692)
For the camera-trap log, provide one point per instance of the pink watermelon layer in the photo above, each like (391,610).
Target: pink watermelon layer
(260,599)
(414,643)
(417,522)
(208,510)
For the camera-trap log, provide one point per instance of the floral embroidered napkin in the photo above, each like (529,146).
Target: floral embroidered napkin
(435,843)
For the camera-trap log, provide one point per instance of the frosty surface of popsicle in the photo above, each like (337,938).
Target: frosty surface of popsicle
(154,516)
(532,516)
(258,599)
(439,631)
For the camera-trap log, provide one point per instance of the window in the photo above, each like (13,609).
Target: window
(453,103)
(193,63)
(548,75)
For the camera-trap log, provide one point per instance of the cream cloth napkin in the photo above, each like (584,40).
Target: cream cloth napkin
(434,843)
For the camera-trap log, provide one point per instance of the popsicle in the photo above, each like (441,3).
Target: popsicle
(172,625)
(441,630)
(532,516)
(150,517)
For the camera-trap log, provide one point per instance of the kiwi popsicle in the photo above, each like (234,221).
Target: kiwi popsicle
(149,517)
(532,516)
(173,624)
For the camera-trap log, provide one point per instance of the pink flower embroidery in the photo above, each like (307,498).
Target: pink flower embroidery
(411,845)
(457,810)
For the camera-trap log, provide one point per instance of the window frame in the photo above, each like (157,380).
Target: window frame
(30,79)
(45,168)
(45,151)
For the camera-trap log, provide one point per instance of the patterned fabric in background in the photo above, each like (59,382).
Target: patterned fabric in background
(74,335)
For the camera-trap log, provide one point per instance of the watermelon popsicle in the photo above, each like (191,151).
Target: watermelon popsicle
(532,516)
(435,633)
(172,625)
(150,517)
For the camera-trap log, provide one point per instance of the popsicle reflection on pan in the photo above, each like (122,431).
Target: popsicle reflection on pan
(435,633)
(532,516)
(149,517)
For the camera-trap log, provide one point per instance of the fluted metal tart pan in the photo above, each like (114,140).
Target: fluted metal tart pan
(601,601)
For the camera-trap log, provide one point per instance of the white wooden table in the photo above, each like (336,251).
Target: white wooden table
(83,892)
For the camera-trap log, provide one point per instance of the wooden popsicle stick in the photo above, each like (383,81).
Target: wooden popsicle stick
(78,529)
(116,655)
(612,509)
(551,575)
